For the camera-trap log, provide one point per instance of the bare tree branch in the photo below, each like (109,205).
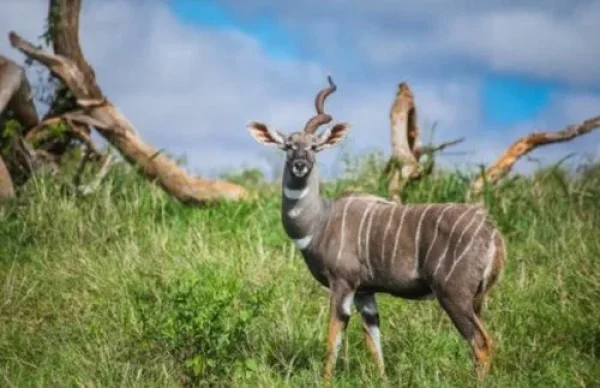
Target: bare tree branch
(79,77)
(74,128)
(527,144)
(426,150)
(95,183)
(81,168)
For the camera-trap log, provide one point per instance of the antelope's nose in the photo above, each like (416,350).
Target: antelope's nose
(300,165)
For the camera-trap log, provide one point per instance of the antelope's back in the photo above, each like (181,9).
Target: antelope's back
(436,243)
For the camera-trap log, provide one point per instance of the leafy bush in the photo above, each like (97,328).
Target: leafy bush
(202,320)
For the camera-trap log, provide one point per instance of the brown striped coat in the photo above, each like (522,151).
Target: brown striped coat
(359,245)
(410,251)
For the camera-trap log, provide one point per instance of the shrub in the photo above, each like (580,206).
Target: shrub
(201,319)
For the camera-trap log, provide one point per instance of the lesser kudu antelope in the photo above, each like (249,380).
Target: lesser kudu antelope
(358,245)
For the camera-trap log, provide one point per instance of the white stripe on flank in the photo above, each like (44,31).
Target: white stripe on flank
(435,233)
(490,260)
(362,220)
(368,243)
(295,194)
(441,258)
(418,238)
(303,242)
(465,251)
(462,234)
(387,229)
(404,211)
(341,248)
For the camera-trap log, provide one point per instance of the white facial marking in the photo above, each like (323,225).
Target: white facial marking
(303,242)
(300,172)
(341,248)
(441,258)
(418,239)
(435,233)
(465,250)
(295,194)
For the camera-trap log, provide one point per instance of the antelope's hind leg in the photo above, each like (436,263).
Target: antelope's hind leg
(339,315)
(470,327)
(367,307)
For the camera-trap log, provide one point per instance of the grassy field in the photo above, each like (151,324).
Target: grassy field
(129,288)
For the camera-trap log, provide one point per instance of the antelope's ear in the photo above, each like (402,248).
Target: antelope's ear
(265,135)
(332,135)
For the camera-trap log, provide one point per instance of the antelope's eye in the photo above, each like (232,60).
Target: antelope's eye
(287,146)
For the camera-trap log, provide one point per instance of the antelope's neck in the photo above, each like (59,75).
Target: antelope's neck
(303,209)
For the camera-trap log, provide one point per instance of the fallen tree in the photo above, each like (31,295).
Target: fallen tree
(88,107)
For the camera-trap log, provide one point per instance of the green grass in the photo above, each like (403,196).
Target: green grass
(130,288)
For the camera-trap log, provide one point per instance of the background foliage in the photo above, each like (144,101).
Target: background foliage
(128,287)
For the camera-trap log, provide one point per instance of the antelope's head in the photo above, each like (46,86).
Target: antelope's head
(301,147)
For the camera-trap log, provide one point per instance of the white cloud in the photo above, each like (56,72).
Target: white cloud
(550,38)
(533,42)
(191,90)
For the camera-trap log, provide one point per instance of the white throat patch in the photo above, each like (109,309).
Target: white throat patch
(295,194)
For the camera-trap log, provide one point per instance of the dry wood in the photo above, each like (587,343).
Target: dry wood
(94,184)
(404,165)
(7,190)
(74,129)
(527,144)
(432,149)
(16,94)
(75,72)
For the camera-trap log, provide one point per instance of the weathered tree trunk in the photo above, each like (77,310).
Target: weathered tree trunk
(7,190)
(404,165)
(404,134)
(16,94)
(525,145)
(16,103)
(74,71)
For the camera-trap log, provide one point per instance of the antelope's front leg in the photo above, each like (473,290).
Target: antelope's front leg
(339,315)
(367,307)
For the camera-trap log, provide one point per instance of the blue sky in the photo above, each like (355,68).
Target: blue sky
(507,98)
(190,74)
(274,37)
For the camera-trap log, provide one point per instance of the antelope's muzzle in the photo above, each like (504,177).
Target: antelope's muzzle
(300,168)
